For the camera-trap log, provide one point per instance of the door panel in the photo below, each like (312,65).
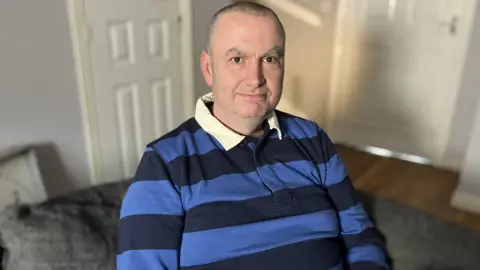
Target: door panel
(397,69)
(136,66)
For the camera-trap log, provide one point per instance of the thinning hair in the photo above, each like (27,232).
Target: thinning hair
(250,8)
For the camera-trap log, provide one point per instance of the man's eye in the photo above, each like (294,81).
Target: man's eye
(236,60)
(271,59)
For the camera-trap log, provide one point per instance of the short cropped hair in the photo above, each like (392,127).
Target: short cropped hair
(248,8)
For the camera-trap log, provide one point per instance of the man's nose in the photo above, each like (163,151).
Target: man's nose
(255,77)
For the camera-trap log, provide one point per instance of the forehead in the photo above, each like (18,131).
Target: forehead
(247,32)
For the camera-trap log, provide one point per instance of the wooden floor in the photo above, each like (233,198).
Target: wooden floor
(423,187)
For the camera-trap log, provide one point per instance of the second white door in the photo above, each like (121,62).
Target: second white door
(397,68)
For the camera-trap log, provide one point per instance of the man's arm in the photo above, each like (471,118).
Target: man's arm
(365,247)
(151,219)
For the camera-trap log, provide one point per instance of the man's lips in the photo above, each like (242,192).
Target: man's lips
(253,96)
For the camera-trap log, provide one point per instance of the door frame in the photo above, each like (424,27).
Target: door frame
(80,37)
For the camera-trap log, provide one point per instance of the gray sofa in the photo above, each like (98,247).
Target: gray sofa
(75,231)
(78,231)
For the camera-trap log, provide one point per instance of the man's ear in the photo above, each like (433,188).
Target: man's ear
(206,66)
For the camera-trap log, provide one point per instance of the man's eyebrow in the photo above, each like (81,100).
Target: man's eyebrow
(234,51)
(276,50)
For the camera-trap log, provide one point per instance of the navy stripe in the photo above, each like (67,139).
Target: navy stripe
(290,149)
(318,254)
(151,167)
(151,197)
(366,237)
(237,187)
(149,232)
(148,259)
(344,194)
(240,159)
(323,140)
(282,114)
(289,202)
(354,220)
(213,164)
(230,242)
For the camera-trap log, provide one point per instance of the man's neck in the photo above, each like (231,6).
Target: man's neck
(245,126)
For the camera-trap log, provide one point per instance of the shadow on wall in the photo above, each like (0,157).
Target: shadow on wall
(56,178)
(308,61)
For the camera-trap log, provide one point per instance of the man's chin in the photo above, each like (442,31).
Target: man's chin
(253,114)
(253,110)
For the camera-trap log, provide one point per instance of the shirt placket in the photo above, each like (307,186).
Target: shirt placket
(268,176)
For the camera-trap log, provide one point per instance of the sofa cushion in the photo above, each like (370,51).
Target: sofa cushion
(110,194)
(76,231)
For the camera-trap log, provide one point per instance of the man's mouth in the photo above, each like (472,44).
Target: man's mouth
(253,96)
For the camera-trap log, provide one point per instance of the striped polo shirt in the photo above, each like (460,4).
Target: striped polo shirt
(205,197)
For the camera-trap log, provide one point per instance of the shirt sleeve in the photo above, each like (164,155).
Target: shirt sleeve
(364,245)
(151,218)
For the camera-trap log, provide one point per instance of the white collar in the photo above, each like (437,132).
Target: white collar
(227,137)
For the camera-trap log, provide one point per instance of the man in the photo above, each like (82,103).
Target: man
(242,185)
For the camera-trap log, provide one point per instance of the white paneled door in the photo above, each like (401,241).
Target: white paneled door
(398,65)
(135,59)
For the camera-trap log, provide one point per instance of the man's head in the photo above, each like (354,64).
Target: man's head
(244,60)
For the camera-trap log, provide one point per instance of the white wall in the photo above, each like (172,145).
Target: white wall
(203,10)
(38,91)
(39,102)
(308,60)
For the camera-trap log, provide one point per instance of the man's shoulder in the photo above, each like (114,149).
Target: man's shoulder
(296,125)
(189,126)
(306,131)
(174,140)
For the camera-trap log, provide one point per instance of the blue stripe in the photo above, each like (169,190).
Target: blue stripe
(300,128)
(219,244)
(151,197)
(335,171)
(148,259)
(354,220)
(237,187)
(188,144)
(367,253)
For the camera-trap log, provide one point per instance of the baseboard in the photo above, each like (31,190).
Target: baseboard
(466,201)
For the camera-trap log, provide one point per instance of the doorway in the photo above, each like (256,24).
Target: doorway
(134,69)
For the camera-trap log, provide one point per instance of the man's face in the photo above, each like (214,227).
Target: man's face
(246,65)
